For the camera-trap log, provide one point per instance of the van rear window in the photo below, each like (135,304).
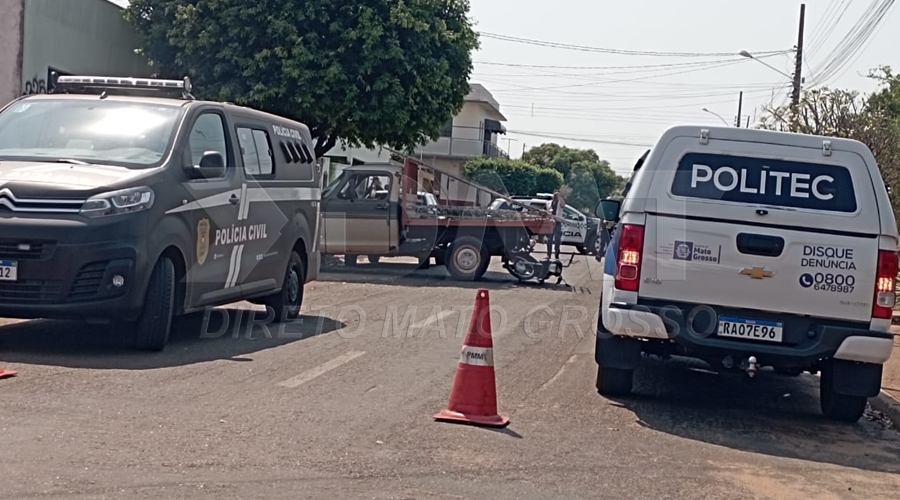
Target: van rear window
(741,179)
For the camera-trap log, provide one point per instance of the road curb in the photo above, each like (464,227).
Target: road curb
(887,404)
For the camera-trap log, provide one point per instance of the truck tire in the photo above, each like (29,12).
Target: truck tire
(350,260)
(835,406)
(614,381)
(151,332)
(373,259)
(467,259)
(287,302)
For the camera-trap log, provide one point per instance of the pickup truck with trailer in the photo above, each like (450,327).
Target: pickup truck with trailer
(375,210)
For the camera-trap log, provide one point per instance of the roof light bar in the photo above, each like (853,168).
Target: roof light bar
(182,87)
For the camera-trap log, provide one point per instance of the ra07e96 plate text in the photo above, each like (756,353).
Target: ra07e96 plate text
(750,329)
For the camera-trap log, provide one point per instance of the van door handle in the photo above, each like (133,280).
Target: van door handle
(763,245)
(234,199)
(381,206)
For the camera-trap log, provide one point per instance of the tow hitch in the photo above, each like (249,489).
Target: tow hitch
(752,366)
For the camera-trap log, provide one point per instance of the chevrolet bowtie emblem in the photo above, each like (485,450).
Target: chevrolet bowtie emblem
(757,273)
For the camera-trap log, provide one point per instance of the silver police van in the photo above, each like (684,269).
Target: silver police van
(129,202)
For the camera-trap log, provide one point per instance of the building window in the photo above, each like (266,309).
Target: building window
(255,151)
(447,130)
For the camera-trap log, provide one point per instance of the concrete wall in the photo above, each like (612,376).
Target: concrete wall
(11,19)
(87,37)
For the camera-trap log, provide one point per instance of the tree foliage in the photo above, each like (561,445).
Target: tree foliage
(872,119)
(367,72)
(512,177)
(587,178)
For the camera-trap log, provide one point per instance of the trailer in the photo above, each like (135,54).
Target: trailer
(376,210)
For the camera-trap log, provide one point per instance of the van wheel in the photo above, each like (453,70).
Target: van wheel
(581,249)
(614,381)
(836,406)
(287,302)
(153,326)
(467,259)
(373,259)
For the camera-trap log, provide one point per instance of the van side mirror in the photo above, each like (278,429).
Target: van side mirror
(608,209)
(212,166)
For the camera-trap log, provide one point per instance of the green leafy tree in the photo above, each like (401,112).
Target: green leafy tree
(572,163)
(512,177)
(367,72)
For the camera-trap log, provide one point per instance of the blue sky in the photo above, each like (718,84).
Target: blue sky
(618,104)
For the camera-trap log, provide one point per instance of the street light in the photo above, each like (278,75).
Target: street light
(717,115)
(748,55)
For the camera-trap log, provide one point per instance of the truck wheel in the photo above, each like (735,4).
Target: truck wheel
(287,302)
(614,381)
(349,260)
(151,332)
(373,259)
(467,260)
(836,406)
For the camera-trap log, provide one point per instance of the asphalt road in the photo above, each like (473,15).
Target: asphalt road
(340,406)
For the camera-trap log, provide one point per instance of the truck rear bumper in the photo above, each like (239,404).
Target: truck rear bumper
(692,328)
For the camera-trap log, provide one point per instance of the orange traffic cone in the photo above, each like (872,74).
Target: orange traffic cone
(473,399)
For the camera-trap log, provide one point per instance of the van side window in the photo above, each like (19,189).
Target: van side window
(255,151)
(208,134)
(299,156)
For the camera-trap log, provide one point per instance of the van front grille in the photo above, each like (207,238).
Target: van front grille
(25,250)
(31,292)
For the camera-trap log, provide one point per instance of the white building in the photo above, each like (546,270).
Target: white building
(472,133)
(88,37)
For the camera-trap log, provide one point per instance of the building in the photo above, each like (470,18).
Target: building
(472,133)
(88,37)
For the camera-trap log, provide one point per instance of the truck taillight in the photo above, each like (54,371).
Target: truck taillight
(628,265)
(885,283)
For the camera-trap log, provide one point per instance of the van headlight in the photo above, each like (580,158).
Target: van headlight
(125,201)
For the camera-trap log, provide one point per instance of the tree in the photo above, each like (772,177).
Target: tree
(512,177)
(569,161)
(369,72)
(872,119)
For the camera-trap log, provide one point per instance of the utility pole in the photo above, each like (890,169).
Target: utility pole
(798,68)
(737,120)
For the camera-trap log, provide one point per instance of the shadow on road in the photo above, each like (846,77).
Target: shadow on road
(79,345)
(771,415)
(403,274)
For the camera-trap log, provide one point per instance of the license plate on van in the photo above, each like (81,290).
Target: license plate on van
(9,270)
(750,329)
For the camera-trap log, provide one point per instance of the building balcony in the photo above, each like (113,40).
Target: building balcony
(462,143)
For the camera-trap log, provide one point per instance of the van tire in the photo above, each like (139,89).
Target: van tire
(287,302)
(467,259)
(835,406)
(374,259)
(151,332)
(614,381)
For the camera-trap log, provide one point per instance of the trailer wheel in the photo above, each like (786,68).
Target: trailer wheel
(467,260)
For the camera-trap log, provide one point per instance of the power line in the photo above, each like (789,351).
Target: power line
(851,44)
(604,50)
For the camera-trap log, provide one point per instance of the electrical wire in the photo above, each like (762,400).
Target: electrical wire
(849,47)
(604,50)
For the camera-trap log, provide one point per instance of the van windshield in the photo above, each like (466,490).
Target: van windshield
(128,134)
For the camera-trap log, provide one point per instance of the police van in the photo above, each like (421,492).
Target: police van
(128,202)
(750,249)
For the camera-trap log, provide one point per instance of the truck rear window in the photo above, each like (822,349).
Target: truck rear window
(759,181)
